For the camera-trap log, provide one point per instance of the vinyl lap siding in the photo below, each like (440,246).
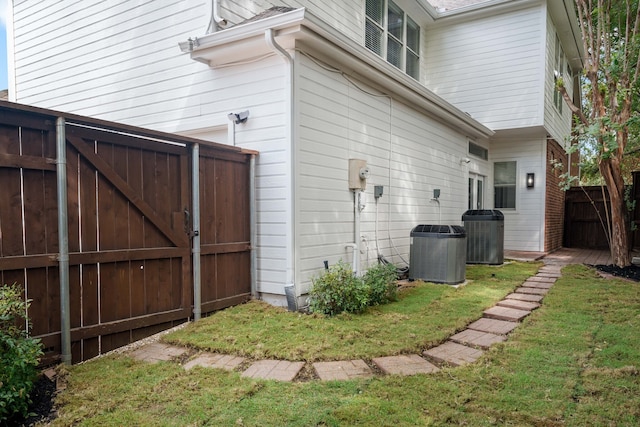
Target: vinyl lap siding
(559,125)
(345,16)
(524,226)
(490,67)
(407,153)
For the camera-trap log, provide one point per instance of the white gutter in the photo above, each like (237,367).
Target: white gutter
(269,38)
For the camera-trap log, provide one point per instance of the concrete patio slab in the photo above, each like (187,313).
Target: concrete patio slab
(279,370)
(211,360)
(493,326)
(453,354)
(519,305)
(531,291)
(342,370)
(525,297)
(405,364)
(158,352)
(471,337)
(506,313)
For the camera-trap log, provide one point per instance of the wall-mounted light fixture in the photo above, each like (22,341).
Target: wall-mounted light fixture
(240,117)
(531,180)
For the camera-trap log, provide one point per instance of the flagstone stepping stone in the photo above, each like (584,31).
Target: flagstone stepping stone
(525,297)
(342,370)
(499,327)
(518,304)
(532,291)
(157,352)
(506,313)
(539,278)
(539,285)
(211,360)
(279,370)
(471,337)
(453,354)
(404,364)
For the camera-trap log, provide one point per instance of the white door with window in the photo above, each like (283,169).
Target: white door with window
(476,191)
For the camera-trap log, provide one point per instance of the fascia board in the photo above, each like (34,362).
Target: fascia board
(246,42)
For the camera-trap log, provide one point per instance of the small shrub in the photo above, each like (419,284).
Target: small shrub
(19,354)
(338,290)
(381,281)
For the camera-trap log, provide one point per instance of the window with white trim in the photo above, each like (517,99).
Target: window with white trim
(504,183)
(559,65)
(392,34)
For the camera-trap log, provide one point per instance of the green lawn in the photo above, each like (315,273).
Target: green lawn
(574,361)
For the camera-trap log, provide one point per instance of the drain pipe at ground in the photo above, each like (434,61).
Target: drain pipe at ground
(63,241)
(195,245)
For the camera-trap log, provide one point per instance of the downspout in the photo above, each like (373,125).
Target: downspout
(253,226)
(271,42)
(63,241)
(215,18)
(195,217)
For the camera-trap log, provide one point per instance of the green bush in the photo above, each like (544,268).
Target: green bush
(381,281)
(338,289)
(19,354)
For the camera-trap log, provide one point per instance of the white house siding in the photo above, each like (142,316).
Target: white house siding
(558,125)
(345,16)
(101,64)
(524,226)
(491,67)
(408,153)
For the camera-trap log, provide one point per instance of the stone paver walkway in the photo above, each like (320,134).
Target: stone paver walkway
(462,348)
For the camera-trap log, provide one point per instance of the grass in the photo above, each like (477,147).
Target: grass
(572,362)
(423,317)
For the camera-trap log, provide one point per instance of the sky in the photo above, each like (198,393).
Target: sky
(3,44)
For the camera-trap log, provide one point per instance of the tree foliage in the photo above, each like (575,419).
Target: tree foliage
(608,121)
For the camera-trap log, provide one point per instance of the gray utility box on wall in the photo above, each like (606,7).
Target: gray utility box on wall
(485,236)
(438,253)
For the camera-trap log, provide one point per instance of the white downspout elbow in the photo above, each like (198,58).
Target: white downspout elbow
(214,17)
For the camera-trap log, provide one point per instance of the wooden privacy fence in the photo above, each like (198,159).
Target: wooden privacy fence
(584,206)
(129,214)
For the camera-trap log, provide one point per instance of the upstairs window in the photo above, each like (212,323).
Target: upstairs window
(393,35)
(559,65)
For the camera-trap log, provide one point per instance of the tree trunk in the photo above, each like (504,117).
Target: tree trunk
(619,221)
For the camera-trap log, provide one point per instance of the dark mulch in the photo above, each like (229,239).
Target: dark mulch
(631,272)
(41,407)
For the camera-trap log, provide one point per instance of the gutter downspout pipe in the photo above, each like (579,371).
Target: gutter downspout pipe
(215,18)
(269,37)
(195,217)
(63,241)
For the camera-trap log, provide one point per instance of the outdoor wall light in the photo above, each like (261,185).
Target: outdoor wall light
(531,180)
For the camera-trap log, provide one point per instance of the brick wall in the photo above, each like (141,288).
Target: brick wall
(554,199)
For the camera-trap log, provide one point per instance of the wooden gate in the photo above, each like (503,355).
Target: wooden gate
(129,204)
(584,209)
